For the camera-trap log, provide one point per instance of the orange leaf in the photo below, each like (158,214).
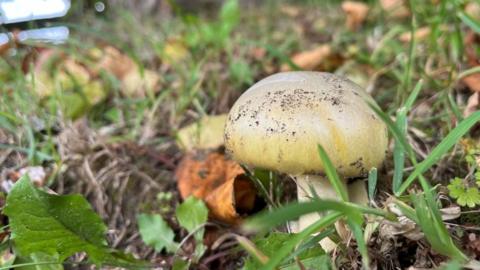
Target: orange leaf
(420,34)
(395,8)
(309,60)
(473,82)
(218,181)
(356,13)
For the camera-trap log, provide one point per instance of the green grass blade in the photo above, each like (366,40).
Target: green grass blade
(413,96)
(448,142)
(332,175)
(468,20)
(267,220)
(372,183)
(392,127)
(399,150)
(430,220)
(362,246)
(325,222)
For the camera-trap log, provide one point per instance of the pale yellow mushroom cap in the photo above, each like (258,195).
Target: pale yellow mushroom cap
(278,122)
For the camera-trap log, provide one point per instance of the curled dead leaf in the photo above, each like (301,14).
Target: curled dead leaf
(356,13)
(218,181)
(310,60)
(207,133)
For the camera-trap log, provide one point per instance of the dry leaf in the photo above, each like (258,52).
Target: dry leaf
(395,8)
(472,104)
(309,60)
(174,52)
(219,182)
(134,82)
(207,133)
(258,53)
(450,213)
(356,14)
(420,34)
(289,10)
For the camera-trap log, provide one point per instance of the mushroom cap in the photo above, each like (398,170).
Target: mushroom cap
(278,122)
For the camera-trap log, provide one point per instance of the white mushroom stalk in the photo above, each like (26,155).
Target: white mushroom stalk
(278,123)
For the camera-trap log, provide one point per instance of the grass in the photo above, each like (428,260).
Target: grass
(205,63)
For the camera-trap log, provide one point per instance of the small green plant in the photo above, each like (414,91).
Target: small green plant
(47,229)
(466,191)
(192,215)
(465,195)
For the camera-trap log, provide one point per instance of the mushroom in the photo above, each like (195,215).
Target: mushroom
(278,122)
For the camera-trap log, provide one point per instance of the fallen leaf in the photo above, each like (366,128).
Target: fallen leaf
(219,182)
(420,34)
(450,213)
(258,53)
(395,8)
(110,59)
(309,60)
(174,52)
(207,133)
(134,82)
(289,10)
(472,104)
(356,13)
(404,226)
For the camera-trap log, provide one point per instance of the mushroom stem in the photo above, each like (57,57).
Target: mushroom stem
(324,190)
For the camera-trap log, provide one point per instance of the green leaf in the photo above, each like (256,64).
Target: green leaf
(53,224)
(470,198)
(456,188)
(471,22)
(38,261)
(192,213)
(155,232)
(180,264)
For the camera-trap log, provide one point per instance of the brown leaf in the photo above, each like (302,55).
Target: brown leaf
(219,182)
(134,82)
(420,34)
(110,59)
(289,10)
(472,104)
(356,14)
(395,8)
(309,60)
